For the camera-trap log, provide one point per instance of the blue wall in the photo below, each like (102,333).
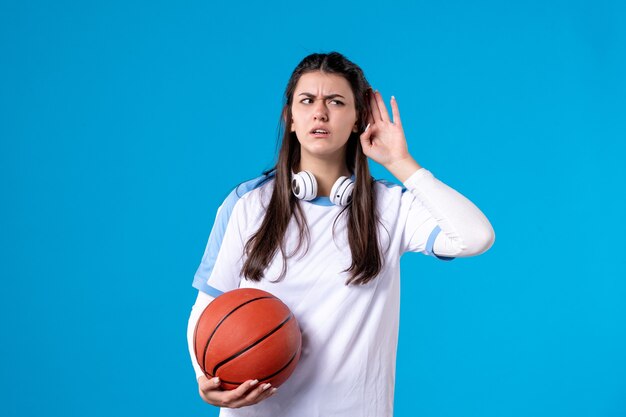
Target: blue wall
(124,124)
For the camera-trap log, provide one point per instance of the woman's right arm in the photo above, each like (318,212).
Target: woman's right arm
(210,390)
(202,302)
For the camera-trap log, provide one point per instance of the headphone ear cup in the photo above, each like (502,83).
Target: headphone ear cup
(341,193)
(304,185)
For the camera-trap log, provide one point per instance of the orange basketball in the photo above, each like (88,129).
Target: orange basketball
(247,334)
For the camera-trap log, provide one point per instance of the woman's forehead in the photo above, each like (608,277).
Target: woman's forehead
(321,83)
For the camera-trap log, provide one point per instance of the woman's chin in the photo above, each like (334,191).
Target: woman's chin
(322,152)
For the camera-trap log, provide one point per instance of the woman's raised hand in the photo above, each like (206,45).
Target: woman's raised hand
(242,396)
(384,141)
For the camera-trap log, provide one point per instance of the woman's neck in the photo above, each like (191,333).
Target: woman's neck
(326,173)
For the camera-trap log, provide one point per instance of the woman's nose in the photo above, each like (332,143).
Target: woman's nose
(321,113)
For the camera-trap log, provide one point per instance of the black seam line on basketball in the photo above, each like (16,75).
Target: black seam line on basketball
(206,347)
(207,374)
(252,345)
(265,378)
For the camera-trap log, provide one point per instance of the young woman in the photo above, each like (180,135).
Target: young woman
(323,236)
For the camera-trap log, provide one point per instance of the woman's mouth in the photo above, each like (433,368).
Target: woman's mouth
(320,133)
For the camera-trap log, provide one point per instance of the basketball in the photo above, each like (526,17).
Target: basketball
(247,334)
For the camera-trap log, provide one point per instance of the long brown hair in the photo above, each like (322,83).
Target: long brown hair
(362,222)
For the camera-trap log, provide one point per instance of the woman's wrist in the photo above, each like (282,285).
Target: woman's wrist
(403,168)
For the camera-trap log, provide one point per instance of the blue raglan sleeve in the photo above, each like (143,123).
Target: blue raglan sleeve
(221,262)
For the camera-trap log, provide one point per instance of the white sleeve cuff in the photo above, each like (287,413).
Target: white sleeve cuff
(416,177)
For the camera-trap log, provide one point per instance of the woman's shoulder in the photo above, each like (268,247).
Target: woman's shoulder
(250,185)
(251,190)
(386,188)
(390,196)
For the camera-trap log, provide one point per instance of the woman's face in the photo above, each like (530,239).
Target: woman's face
(323,113)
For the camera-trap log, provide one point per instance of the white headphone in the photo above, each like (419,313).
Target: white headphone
(304,187)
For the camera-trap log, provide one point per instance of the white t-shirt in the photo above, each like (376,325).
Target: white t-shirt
(349,333)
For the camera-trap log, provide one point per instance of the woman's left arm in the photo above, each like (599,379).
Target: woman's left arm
(466,231)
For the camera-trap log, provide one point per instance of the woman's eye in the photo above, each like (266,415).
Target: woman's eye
(310,100)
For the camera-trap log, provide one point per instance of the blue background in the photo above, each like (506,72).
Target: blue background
(123,125)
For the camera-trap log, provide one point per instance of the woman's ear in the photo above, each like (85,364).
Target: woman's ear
(355,129)
(291,127)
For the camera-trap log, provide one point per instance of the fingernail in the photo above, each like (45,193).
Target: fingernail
(366,127)
(216,380)
(274,391)
(266,386)
(253,383)
(393,97)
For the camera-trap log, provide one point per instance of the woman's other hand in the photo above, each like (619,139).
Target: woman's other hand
(245,394)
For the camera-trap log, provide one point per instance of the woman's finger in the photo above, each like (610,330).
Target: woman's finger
(242,390)
(205,384)
(259,394)
(253,396)
(209,389)
(395,111)
(382,109)
(233,398)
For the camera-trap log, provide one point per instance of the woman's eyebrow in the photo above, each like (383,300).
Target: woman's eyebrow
(326,97)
